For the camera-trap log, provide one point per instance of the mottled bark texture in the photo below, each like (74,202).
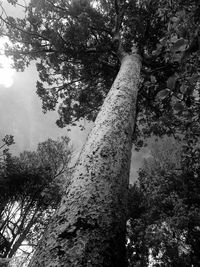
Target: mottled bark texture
(88,229)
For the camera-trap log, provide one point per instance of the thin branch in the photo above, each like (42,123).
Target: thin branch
(116,7)
(25,251)
(172,132)
(101,30)
(2,146)
(25,7)
(21,30)
(24,42)
(78,80)
(29,244)
(58,7)
(118,18)
(34,52)
(107,63)
(3,11)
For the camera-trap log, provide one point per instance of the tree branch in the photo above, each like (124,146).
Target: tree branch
(58,7)
(21,30)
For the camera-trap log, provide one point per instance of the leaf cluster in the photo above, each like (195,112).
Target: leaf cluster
(33,184)
(73,45)
(165,209)
(169,96)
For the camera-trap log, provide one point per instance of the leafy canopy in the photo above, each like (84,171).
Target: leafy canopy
(74,45)
(165,207)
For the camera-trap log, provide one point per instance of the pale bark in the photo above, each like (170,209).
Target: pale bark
(89,227)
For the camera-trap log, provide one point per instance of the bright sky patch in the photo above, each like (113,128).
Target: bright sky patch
(6,72)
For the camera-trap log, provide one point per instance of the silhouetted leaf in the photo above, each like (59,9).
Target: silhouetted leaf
(179,107)
(153,79)
(193,79)
(179,45)
(171,82)
(183,88)
(163,94)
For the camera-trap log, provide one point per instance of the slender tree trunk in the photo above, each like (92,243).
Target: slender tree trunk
(22,234)
(89,227)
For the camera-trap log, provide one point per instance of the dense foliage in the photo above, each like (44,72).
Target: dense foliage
(74,44)
(164,226)
(170,85)
(7,141)
(33,184)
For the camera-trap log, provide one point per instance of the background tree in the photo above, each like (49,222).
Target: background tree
(7,141)
(164,208)
(35,183)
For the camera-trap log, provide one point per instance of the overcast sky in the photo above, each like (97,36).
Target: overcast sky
(20,107)
(22,116)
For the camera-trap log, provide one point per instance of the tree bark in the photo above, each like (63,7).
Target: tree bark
(89,227)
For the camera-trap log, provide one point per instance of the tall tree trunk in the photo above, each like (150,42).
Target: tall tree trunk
(89,227)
